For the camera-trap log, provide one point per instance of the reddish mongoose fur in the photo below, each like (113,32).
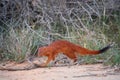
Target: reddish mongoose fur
(67,48)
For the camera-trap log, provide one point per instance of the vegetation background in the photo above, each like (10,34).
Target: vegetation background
(26,25)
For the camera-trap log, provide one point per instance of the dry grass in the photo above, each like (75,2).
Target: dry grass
(26,25)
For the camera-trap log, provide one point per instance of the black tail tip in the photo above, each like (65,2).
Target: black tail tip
(106,48)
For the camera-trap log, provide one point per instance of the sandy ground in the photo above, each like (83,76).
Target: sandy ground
(76,72)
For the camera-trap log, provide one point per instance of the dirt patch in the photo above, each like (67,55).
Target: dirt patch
(76,72)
